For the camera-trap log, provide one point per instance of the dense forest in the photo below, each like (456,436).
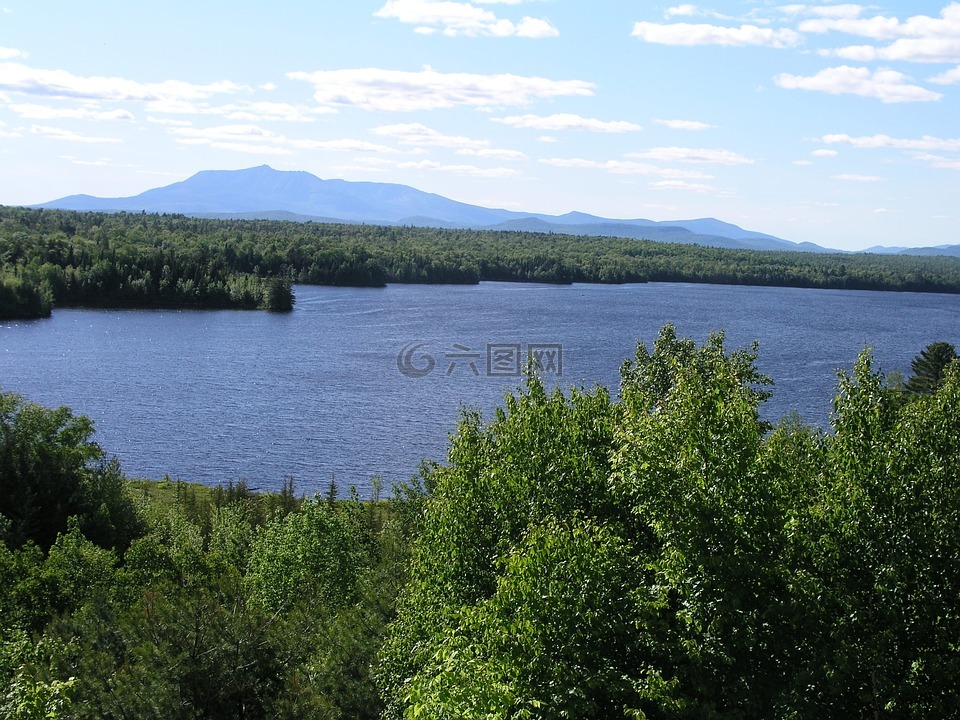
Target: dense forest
(60,258)
(661,553)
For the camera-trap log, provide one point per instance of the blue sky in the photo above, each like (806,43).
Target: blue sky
(836,124)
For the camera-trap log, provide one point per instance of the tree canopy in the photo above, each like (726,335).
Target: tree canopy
(660,553)
(929,367)
(62,258)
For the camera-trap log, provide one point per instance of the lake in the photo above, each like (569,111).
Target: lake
(357,382)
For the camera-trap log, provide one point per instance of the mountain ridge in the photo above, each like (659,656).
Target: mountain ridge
(296,195)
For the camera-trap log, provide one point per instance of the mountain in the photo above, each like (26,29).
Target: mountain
(262,192)
(949,250)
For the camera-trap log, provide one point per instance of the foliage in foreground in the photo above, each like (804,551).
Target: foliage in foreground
(670,555)
(662,555)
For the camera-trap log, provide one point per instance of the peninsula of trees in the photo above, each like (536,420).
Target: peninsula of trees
(56,258)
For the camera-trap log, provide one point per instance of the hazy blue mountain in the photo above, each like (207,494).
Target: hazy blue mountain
(263,192)
(950,250)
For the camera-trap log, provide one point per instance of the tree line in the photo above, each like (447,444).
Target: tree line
(62,258)
(661,554)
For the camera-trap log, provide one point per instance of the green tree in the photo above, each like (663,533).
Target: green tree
(884,533)
(929,367)
(50,469)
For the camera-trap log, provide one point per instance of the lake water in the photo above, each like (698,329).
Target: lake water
(321,394)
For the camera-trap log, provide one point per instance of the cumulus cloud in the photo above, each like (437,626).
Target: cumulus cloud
(950,77)
(920,38)
(99,162)
(421,135)
(682,10)
(625,167)
(922,50)
(692,155)
(938,161)
(61,134)
(397,90)
(704,34)
(684,124)
(824,153)
(10,53)
(31,111)
(61,83)
(493,153)
(888,86)
(469,170)
(254,139)
(880,27)
(927,142)
(565,121)
(847,11)
(461,18)
(682,186)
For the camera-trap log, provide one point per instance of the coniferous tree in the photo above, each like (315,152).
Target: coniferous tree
(929,366)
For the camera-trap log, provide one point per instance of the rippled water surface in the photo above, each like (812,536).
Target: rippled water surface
(319,394)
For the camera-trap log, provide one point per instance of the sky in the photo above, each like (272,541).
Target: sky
(837,124)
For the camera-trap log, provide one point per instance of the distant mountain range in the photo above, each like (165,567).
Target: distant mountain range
(265,193)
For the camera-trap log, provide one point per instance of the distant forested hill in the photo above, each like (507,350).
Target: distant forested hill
(61,258)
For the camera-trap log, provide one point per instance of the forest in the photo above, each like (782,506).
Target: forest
(56,258)
(655,552)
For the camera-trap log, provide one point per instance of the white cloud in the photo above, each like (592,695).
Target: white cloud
(254,139)
(692,155)
(684,124)
(101,162)
(418,134)
(850,177)
(923,50)
(920,38)
(461,18)
(625,167)
(566,121)
(927,142)
(703,34)
(682,10)
(42,112)
(938,161)
(824,153)
(881,27)
(169,121)
(60,134)
(398,90)
(887,86)
(950,77)
(493,153)
(241,111)
(267,112)
(10,53)
(469,170)
(681,185)
(61,83)
(847,11)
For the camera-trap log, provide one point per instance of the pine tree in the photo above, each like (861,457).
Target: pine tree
(928,367)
